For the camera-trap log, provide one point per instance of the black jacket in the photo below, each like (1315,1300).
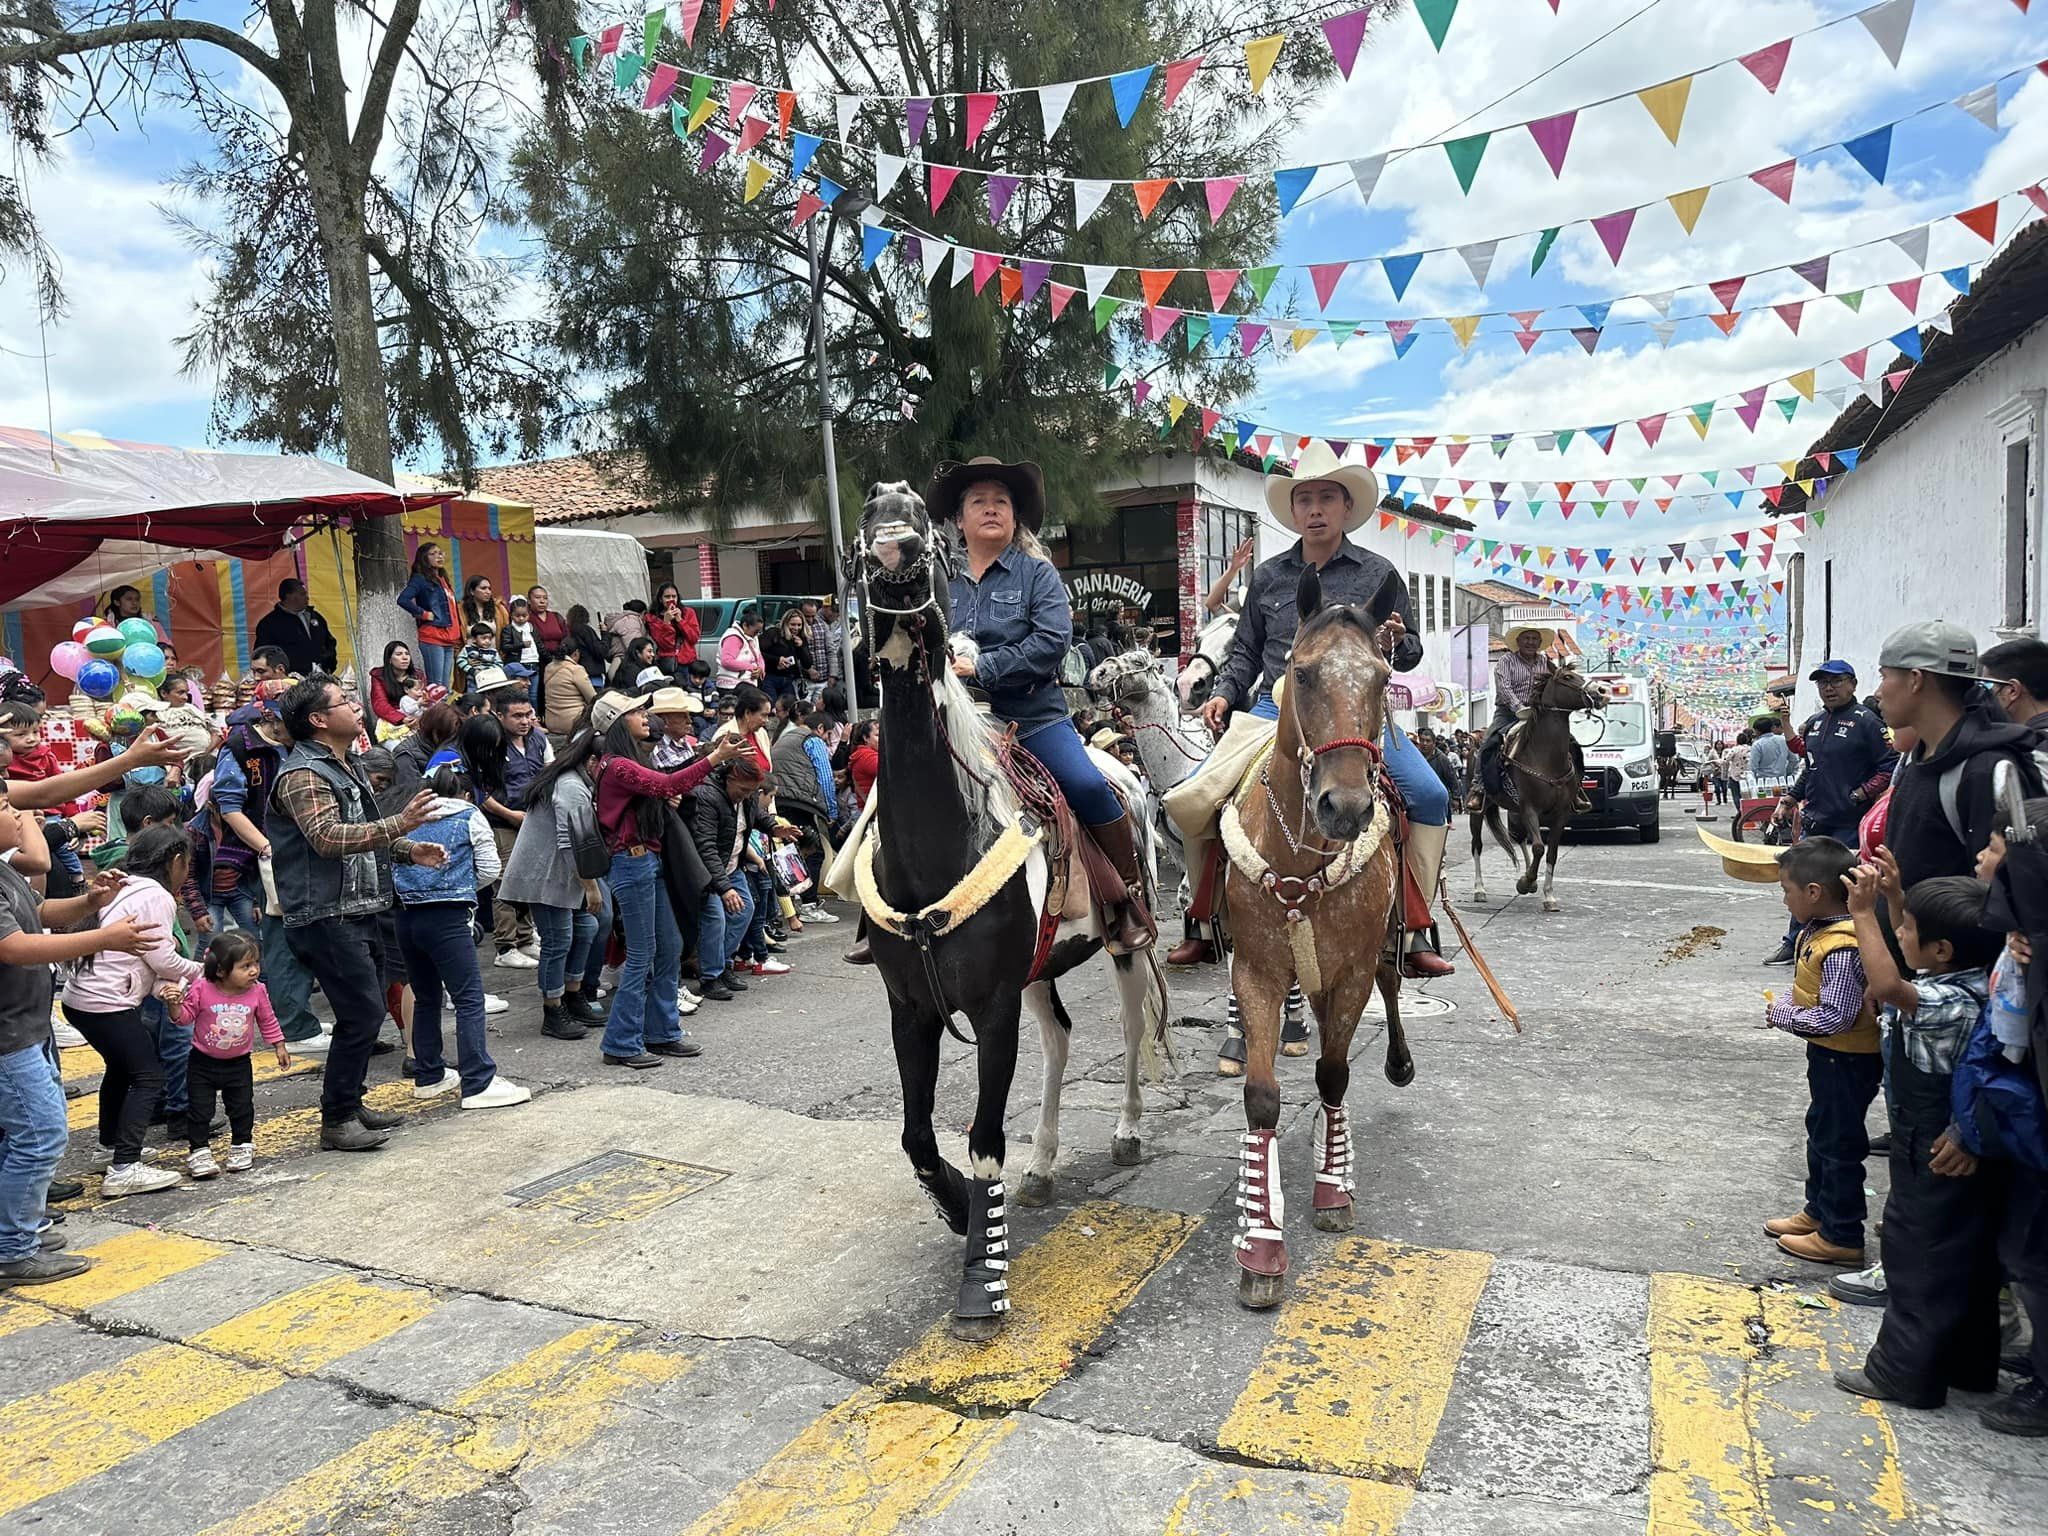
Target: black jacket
(1917,827)
(714,824)
(777,648)
(308,647)
(1845,752)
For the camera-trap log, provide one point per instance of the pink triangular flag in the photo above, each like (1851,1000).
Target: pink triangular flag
(1790,313)
(1528,339)
(1768,64)
(1525,318)
(752,132)
(660,84)
(692,11)
(1752,406)
(2038,196)
(1061,296)
(1725,291)
(985,265)
(1613,231)
(736,98)
(1325,277)
(981,106)
(1777,179)
(1345,33)
(1652,428)
(1553,135)
(1907,292)
(1221,281)
(942,182)
(1856,361)
(1178,74)
(1159,321)
(1219,190)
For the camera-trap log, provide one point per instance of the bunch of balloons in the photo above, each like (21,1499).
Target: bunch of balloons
(99,657)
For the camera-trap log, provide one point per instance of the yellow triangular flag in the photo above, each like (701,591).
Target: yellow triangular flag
(1174,406)
(706,110)
(1698,426)
(1471,504)
(1462,327)
(1803,382)
(1543,553)
(1788,467)
(1305,335)
(757,177)
(1259,55)
(1666,103)
(1806,486)
(1687,206)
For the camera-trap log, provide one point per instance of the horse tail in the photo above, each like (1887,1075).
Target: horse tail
(1500,832)
(1156,1057)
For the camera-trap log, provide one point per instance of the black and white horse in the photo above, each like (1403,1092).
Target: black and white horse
(942,802)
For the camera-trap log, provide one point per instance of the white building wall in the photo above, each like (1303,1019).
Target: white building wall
(1942,521)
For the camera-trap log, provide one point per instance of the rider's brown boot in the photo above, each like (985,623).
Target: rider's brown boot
(1135,928)
(1193,950)
(1423,964)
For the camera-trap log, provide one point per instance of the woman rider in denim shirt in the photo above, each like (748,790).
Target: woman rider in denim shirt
(1011,601)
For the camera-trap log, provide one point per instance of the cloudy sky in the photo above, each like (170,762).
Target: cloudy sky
(113,361)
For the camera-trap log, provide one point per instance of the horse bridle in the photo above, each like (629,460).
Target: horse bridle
(1306,757)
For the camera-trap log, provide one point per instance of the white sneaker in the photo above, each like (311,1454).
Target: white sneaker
(817,914)
(137,1179)
(531,949)
(608,978)
(492,1004)
(200,1164)
(771,967)
(67,1037)
(687,1002)
(312,1045)
(103,1158)
(450,1081)
(517,960)
(241,1157)
(498,1093)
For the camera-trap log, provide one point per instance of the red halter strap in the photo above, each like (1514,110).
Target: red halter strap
(1360,743)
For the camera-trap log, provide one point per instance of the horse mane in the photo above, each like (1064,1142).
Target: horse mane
(984,787)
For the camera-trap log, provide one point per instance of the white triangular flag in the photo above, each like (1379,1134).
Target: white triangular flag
(1052,104)
(888,168)
(963,265)
(1661,302)
(1479,259)
(1531,489)
(1982,104)
(1665,330)
(1366,173)
(1088,196)
(872,214)
(1887,24)
(933,254)
(1874,390)
(1096,279)
(1914,243)
(1546,442)
(849,109)
(1941,322)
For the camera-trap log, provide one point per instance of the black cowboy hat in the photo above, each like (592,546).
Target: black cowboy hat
(1026,484)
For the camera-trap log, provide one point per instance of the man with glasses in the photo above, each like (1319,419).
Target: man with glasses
(2018,674)
(331,855)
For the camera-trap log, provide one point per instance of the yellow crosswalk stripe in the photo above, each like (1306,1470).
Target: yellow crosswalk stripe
(874,1462)
(298,1131)
(125,1264)
(82,1113)
(541,1410)
(57,1439)
(16,1315)
(80,1063)
(1361,1362)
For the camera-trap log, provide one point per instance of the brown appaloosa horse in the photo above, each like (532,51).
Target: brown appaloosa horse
(1313,874)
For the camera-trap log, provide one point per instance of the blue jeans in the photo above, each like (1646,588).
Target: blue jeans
(174,1050)
(1428,802)
(760,894)
(240,905)
(644,1008)
(721,933)
(438,939)
(32,1138)
(566,936)
(438,662)
(1060,748)
(288,982)
(593,967)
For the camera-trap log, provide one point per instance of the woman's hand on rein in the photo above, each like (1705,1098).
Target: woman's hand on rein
(963,668)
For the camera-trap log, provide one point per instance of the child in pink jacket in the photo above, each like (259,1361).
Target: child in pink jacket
(225,1010)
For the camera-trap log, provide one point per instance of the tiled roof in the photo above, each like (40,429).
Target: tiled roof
(571,490)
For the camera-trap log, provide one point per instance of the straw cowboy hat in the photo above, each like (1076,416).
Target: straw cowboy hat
(1317,462)
(1025,483)
(1754,863)
(1547,637)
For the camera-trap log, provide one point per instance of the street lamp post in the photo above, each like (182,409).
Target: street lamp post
(832,529)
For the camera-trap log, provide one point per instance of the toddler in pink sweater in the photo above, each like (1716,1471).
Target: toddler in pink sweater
(226,1009)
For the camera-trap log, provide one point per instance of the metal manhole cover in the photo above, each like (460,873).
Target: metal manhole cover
(616,1186)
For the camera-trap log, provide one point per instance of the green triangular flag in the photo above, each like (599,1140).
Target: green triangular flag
(1544,242)
(1639,484)
(1466,153)
(1853,298)
(1261,279)
(1703,413)
(1111,372)
(625,70)
(1166,427)
(1820,517)
(1564,438)
(700,90)
(579,53)
(1787,406)
(1340,330)
(1105,309)
(651,30)
(1266,464)
(1710,476)
(1436,17)
(1436,535)
(1599,509)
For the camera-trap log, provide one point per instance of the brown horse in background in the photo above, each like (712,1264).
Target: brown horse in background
(1545,773)
(1311,895)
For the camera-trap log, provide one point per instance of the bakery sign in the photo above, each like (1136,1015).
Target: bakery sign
(1106,589)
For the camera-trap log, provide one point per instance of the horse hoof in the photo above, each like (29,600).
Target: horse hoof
(1294,1048)
(1401,1073)
(1228,1068)
(1034,1189)
(1552,904)
(1525,890)
(1479,898)
(1335,1218)
(1259,1292)
(976,1330)
(1124,1151)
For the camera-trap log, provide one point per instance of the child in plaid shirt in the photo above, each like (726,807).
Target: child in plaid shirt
(481,652)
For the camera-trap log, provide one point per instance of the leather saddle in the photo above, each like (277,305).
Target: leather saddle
(1080,873)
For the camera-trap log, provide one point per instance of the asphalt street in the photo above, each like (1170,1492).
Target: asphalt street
(709,1298)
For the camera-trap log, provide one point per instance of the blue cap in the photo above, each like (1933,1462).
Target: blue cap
(447,757)
(1830,669)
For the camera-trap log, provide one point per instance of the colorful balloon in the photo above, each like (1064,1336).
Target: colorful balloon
(99,679)
(149,775)
(105,640)
(138,632)
(83,628)
(67,658)
(144,659)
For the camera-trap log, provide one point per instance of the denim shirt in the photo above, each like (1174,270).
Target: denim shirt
(427,601)
(1019,615)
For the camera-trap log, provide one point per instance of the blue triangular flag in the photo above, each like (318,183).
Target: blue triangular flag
(1601,435)
(1847,457)
(1734,498)
(1908,342)
(1872,151)
(1602,554)
(1291,183)
(1957,278)
(1245,431)
(1408,499)
(1596,314)
(874,239)
(829,190)
(1399,270)
(801,147)
(1403,343)
(1129,89)
(1221,328)
(1394,484)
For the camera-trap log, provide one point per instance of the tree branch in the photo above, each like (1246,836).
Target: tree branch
(55,43)
(377,91)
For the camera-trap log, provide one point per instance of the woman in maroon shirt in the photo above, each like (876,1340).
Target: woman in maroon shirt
(644,1025)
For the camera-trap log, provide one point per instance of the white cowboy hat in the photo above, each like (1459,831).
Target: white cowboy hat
(1547,637)
(1317,462)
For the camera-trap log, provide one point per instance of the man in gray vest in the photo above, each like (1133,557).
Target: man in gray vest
(331,856)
